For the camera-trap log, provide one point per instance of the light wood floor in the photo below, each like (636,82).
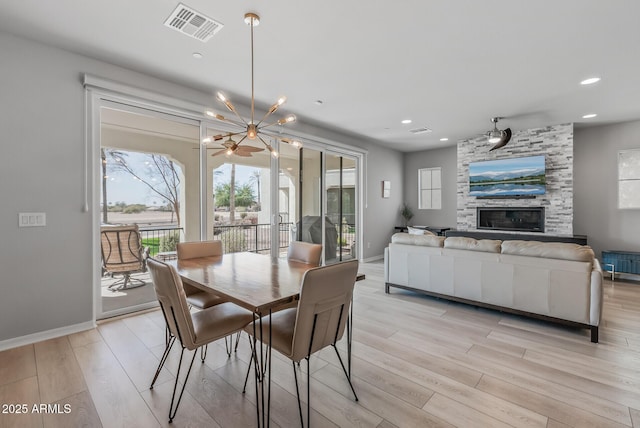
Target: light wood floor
(418,362)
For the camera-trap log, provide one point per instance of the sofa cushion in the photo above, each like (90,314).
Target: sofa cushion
(424,240)
(418,231)
(550,250)
(462,243)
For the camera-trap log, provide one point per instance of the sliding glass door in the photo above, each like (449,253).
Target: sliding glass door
(326,209)
(149,178)
(340,191)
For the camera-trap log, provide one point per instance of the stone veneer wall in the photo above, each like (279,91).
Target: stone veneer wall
(556,143)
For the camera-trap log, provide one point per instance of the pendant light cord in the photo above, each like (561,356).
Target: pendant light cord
(252,90)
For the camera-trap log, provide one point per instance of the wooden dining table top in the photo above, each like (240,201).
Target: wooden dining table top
(254,281)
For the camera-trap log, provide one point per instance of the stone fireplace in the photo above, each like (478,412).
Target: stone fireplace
(556,144)
(528,219)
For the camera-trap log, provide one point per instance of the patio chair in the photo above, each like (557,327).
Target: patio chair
(123,254)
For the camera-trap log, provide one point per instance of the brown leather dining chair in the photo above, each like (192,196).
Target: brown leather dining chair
(319,320)
(304,252)
(192,330)
(196,297)
(191,250)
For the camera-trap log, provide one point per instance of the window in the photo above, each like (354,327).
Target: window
(429,189)
(629,179)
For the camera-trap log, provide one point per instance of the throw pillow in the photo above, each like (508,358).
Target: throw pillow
(414,231)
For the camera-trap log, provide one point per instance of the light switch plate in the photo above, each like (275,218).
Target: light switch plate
(32,219)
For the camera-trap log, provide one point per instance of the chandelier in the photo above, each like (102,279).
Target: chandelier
(249,130)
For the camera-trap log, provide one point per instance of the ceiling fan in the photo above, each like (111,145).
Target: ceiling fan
(250,129)
(498,137)
(243,151)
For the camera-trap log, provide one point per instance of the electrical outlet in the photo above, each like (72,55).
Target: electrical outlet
(368,244)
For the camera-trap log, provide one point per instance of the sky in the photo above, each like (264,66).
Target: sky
(510,164)
(122,187)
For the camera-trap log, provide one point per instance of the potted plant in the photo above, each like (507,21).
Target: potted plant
(406,214)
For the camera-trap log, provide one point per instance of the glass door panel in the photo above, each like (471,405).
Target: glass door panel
(150,174)
(340,186)
(238,198)
(311,227)
(288,196)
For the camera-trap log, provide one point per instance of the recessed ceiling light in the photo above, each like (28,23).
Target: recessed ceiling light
(197,55)
(590,81)
(444,139)
(589,116)
(406,121)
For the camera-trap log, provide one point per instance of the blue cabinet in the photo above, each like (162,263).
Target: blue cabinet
(623,261)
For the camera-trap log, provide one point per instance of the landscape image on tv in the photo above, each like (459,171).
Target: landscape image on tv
(508,177)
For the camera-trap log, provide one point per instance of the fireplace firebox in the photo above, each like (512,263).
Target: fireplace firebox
(516,219)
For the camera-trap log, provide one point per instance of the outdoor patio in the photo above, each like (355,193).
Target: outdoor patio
(118,299)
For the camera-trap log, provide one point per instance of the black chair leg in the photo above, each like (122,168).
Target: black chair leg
(172,410)
(295,376)
(237,341)
(165,354)
(345,372)
(246,378)
(308,393)
(203,352)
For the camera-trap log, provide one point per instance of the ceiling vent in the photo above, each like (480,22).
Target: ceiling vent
(192,23)
(423,130)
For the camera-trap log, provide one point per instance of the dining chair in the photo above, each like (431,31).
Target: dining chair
(319,320)
(304,252)
(191,250)
(123,254)
(192,330)
(196,297)
(301,252)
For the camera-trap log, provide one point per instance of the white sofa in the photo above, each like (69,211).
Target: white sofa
(550,280)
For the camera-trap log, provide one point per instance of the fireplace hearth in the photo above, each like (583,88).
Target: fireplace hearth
(515,219)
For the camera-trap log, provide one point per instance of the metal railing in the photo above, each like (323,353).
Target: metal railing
(161,239)
(235,238)
(251,237)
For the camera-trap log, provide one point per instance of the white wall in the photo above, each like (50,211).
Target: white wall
(444,158)
(596,212)
(47,271)
(382,215)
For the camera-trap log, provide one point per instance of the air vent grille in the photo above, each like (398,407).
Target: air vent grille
(422,130)
(192,23)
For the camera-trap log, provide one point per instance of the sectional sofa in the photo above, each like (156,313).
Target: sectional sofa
(555,281)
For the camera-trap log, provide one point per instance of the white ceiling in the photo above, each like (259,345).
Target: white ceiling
(449,65)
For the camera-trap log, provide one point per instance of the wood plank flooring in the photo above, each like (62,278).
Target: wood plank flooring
(418,362)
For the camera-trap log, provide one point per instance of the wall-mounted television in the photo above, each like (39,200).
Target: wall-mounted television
(513,177)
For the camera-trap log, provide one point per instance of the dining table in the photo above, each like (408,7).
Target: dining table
(258,283)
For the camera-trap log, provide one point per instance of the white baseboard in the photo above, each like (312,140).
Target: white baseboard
(45,335)
(373,259)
